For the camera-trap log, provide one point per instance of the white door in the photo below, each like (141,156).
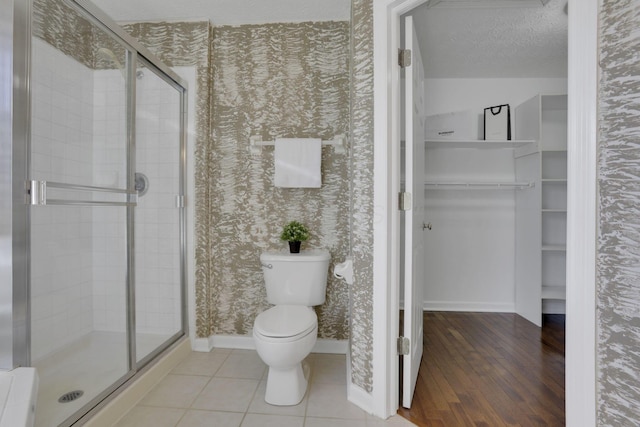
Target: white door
(414,274)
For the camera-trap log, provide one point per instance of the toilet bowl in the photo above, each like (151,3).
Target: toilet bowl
(284,335)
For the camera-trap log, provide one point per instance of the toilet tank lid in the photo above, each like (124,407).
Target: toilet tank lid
(310,255)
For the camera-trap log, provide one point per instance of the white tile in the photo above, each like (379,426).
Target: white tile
(243,364)
(262,420)
(146,416)
(394,421)
(330,400)
(226,394)
(195,418)
(259,406)
(175,391)
(333,422)
(329,369)
(200,364)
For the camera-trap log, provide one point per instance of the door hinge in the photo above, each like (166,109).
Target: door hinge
(180,201)
(404,58)
(404,346)
(404,201)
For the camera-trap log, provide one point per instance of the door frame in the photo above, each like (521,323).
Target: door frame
(580,359)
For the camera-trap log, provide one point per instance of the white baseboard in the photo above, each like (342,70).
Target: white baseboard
(482,307)
(359,397)
(245,342)
(554,307)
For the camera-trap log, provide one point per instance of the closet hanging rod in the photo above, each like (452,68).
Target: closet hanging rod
(339,143)
(456,185)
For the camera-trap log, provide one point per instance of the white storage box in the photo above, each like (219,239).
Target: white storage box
(456,125)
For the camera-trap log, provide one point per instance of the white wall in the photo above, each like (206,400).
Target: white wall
(446,95)
(470,250)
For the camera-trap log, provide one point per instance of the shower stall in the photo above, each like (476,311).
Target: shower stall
(92,228)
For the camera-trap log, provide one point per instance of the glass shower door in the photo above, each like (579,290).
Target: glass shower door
(158,269)
(79,204)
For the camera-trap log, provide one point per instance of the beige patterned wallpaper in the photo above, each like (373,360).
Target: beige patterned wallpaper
(274,80)
(618,247)
(361,342)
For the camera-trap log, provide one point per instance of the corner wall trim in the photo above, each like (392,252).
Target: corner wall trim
(359,397)
(245,342)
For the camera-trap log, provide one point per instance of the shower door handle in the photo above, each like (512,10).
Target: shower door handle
(38,194)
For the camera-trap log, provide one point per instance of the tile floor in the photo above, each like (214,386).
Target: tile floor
(226,388)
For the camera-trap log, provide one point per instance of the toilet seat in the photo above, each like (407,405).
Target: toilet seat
(285,322)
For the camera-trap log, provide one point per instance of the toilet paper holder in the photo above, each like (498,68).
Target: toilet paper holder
(344,270)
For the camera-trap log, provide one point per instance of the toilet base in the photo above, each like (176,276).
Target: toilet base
(287,387)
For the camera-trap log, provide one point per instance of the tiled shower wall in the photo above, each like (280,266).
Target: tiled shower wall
(109,227)
(61,258)
(157,233)
(157,245)
(78,253)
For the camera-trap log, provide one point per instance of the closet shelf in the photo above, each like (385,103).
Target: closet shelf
(554,211)
(477,185)
(476,144)
(554,292)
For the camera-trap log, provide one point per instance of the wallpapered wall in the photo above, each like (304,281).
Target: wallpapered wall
(273,80)
(361,349)
(618,262)
(282,80)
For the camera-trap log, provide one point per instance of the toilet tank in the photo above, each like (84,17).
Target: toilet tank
(296,279)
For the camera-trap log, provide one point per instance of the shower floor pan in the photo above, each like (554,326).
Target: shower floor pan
(89,365)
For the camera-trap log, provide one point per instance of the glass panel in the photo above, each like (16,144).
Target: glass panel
(157,230)
(78,304)
(78,288)
(79,103)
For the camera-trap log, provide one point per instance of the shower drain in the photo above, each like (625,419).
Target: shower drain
(71,396)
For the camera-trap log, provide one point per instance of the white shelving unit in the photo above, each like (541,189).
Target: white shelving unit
(470,190)
(477,184)
(542,214)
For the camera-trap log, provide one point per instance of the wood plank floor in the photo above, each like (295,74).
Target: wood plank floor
(489,370)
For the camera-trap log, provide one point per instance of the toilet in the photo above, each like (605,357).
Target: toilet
(285,334)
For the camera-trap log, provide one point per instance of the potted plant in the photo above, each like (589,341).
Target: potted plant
(294,233)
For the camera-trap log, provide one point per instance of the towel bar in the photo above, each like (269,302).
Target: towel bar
(339,143)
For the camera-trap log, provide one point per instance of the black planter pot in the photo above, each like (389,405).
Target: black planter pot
(294,247)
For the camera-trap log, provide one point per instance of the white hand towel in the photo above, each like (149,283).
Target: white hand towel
(297,162)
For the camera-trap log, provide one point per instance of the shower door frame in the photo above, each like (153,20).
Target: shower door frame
(15,173)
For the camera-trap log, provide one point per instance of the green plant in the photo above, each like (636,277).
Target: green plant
(294,232)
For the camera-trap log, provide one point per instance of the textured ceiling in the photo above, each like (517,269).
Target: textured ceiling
(456,42)
(493,42)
